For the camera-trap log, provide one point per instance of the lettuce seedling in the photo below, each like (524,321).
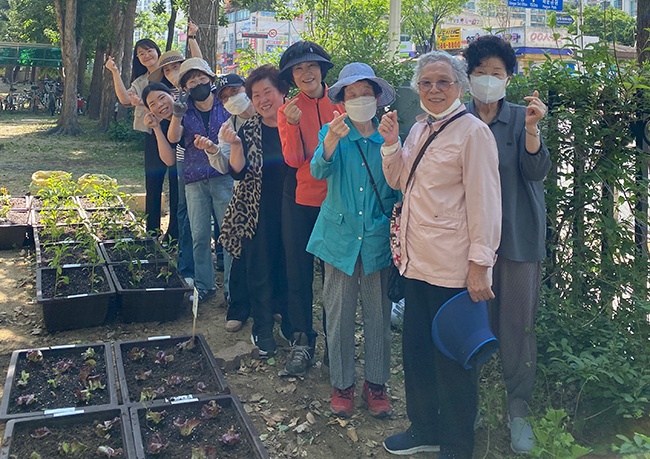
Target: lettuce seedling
(83,396)
(187,427)
(41,432)
(210,410)
(155,416)
(72,448)
(143,375)
(201,387)
(53,383)
(35,356)
(157,444)
(88,353)
(63,366)
(24,378)
(204,452)
(35,455)
(26,399)
(176,380)
(108,451)
(163,359)
(148,394)
(137,353)
(95,382)
(102,429)
(230,438)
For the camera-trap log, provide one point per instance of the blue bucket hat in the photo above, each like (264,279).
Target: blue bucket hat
(461,331)
(357,71)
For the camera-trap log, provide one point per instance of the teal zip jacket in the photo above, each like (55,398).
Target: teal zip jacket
(351,223)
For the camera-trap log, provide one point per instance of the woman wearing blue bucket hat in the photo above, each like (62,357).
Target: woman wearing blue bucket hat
(351,236)
(449,232)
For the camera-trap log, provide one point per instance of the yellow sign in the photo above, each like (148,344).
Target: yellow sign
(449,39)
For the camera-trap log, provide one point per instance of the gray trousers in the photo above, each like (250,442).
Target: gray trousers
(512,315)
(340,297)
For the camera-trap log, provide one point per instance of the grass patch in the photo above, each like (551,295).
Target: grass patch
(25,148)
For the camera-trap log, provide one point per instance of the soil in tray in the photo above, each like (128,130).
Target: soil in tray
(206,434)
(64,368)
(118,231)
(88,202)
(15,218)
(18,202)
(78,282)
(148,275)
(73,254)
(189,371)
(62,233)
(24,443)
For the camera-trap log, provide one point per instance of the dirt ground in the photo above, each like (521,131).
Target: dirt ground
(278,405)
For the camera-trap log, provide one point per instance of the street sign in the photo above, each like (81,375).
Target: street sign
(563,19)
(254,35)
(273,33)
(537,4)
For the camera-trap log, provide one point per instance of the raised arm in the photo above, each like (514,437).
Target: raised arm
(120,90)
(193,45)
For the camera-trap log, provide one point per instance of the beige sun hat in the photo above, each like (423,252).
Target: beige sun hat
(166,58)
(194,63)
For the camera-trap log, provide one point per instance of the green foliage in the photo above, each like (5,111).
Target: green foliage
(249,59)
(552,440)
(122,131)
(32,21)
(638,444)
(592,325)
(610,24)
(422,18)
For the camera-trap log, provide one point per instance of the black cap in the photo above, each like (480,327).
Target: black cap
(229,79)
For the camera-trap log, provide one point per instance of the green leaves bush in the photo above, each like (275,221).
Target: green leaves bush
(593,321)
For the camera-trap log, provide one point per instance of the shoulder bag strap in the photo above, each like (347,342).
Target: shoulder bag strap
(427,143)
(372,180)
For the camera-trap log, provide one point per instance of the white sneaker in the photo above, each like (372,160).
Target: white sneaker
(522,438)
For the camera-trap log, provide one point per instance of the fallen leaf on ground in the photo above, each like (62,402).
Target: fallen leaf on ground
(352,433)
(310,418)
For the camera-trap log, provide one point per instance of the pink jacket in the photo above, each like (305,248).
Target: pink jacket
(452,210)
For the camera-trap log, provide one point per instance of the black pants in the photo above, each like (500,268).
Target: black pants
(441,396)
(258,284)
(297,225)
(155,170)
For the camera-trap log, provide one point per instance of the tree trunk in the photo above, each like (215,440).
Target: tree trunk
(66,17)
(642,24)
(93,101)
(170,26)
(205,14)
(123,18)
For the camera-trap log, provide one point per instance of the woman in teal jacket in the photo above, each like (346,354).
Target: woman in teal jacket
(351,236)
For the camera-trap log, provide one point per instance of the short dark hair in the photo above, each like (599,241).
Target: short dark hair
(488,46)
(266,72)
(157,86)
(137,69)
(192,73)
(376,89)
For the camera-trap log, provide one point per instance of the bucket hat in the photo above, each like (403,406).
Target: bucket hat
(227,80)
(194,63)
(357,71)
(166,58)
(303,51)
(461,331)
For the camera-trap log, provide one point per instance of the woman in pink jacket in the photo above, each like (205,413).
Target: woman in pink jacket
(449,234)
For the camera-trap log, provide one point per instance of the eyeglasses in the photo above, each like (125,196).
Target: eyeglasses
(441,85)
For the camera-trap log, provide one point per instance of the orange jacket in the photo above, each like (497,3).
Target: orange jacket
(299,142)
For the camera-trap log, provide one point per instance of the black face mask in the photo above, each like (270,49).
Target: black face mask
(200,92)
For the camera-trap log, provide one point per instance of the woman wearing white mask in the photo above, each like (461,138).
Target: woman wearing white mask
(524,162)
(351,236)
(450,226)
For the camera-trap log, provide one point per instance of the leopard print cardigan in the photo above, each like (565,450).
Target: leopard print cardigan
(242,213)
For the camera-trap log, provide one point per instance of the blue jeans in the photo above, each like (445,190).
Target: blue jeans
(204,198)
(185,255)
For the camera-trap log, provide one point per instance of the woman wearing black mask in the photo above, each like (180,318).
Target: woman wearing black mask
(198,116)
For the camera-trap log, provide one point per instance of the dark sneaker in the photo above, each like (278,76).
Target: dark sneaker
(409,442)
(266,346)
(301,355)
(343,401)
(203,295)
(377,400)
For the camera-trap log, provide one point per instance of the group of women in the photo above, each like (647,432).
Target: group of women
(317,176)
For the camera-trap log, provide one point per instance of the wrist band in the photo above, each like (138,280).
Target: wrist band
(534,134)
(191,37)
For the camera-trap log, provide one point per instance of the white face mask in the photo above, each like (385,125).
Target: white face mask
(237,104)
(487,88)
(441,115)
(361,109)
